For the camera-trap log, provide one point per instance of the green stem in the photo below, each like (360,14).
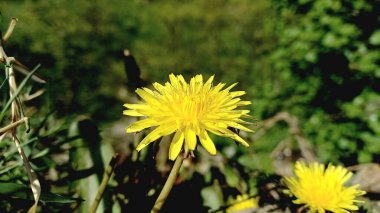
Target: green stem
(107,175)
(168,185)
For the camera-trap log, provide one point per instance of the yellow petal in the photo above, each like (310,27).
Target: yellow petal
(238,126)
(182,81)
(176,145)
(192,83)
(191,139)
(242,112)
(243,103)
(237,93)
(240,140)
(223,116)
(217,88)
(234,136)
(208,83)
(154,135)
(213,128)
(174,81)
(199,78)
(198,83)
(244,122)
(207,142)
(247,116)
(232,102)
(140,125)
(230,87)
(136,106)
(147,95)
(159,87)
(132,113)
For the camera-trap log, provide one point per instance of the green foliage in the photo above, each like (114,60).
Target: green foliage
(212,196)
(317,60)
(332,44)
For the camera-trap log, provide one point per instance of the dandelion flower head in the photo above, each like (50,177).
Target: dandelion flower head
(321,189)
(188,111)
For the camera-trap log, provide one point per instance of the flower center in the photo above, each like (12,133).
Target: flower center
(324,194)
(190,109)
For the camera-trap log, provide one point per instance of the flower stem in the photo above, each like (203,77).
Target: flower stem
(107,176)
(168,185)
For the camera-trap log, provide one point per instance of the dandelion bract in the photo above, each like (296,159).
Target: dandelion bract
(188,111)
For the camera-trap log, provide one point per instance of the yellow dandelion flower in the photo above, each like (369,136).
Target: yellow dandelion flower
(243,202)
(323,189)
(189,111)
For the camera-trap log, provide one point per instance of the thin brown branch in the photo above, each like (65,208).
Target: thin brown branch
(294,130)
(34,182)
(13,125)
(17,115)
(33,96)
(3,55)
(21,68)
(25,70)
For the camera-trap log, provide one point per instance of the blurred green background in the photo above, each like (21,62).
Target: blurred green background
(314,62)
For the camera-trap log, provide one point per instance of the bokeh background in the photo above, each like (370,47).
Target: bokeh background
(310,67)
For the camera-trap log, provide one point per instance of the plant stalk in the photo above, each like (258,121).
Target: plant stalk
(107,176)
(168,185)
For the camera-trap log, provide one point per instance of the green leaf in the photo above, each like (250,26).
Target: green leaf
(260,161)
(45,197)
(3,83)
(375,38)
(20,191)
(41,153)
(232,176)
(212,196)
(10,188)
(8,168)
(14,149)
(56,198)
(364,157)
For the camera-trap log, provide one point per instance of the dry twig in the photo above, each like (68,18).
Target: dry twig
(294,130)
(17,115)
